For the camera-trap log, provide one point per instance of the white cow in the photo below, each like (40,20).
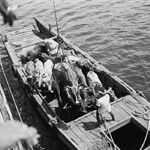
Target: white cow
(72,59)
(94,82)
(92,77)
(52,46)
(47,76)
(39,71)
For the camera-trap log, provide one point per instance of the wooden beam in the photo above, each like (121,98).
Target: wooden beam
(12,54)
(119,125)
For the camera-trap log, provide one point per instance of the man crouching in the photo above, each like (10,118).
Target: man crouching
(103,105)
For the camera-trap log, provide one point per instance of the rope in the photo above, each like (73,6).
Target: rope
(142,115)
(1,65)
(110,135)
(59,42)
(138,113)
(148,127)
(59,47)
(10,90)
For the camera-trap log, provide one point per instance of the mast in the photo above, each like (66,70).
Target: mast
(56,18)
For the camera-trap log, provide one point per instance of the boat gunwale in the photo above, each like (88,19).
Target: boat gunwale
(5,105)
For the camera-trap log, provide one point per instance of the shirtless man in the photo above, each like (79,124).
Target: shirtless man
(103,105)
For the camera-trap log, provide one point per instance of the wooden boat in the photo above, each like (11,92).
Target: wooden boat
(6,115)
(131,109)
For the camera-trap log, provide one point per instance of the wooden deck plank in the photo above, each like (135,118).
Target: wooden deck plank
(92,125)
(134,108)
(74,137)
(141,99)
(119,113)
(108,120)
(72,123)
(116,112)
(92,122)
(122,112)
(80,135)
(125,107)
(95,132)
(137,104)
(88,126)
(82,128)
(12,55)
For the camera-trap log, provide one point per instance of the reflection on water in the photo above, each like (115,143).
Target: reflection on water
(115,32)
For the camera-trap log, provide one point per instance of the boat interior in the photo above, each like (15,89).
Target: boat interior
(51,98)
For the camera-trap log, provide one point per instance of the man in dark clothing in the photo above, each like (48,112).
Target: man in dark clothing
(7,13)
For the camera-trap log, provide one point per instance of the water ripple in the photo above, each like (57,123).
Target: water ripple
(115,32)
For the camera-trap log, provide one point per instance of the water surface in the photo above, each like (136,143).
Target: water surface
(114,32)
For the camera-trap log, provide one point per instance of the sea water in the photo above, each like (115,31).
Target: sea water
(114,32)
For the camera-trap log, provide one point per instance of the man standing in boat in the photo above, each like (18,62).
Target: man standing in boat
(14,131)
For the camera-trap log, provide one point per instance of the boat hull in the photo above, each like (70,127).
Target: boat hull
(82,132)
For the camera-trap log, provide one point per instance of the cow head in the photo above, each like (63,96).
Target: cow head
(111,94)
(72,93)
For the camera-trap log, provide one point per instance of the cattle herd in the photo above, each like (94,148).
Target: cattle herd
(58,73)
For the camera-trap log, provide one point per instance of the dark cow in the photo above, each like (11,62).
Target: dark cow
(64,75)
(69,79)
